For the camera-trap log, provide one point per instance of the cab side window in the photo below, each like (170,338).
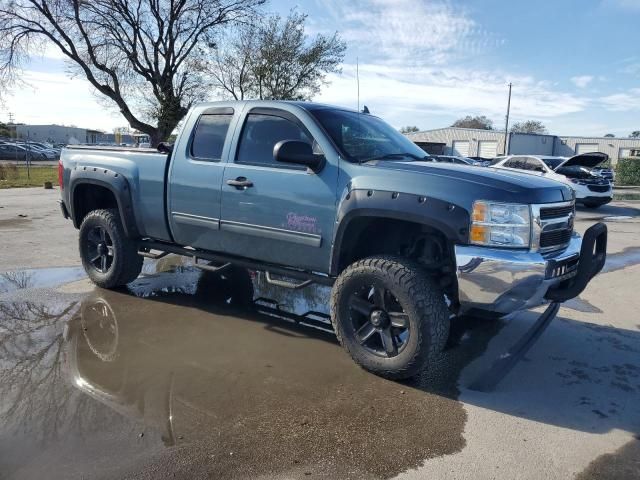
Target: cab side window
(209,136)
(260,134)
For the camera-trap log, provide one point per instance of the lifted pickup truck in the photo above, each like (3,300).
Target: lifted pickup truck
(313,193)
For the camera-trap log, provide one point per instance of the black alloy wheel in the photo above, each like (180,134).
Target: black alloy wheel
(100,249)
(380,323)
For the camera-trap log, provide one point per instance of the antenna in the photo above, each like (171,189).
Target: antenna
(506,126)
(358,81)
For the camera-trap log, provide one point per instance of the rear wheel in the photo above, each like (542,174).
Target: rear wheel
(109,257)
(389,316)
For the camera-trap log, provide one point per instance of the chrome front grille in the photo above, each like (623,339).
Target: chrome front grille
(552,226)
(554,237)
(547,213)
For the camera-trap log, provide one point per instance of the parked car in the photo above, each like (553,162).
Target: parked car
(11,151)
(592,190)
(48,153)
(456,160)
(311,193)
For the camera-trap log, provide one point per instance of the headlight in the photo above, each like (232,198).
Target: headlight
(500,224)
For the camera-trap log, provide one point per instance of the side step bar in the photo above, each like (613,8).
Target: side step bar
(146,246)
(285,284)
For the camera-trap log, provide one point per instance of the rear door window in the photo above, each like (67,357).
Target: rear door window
(209,137)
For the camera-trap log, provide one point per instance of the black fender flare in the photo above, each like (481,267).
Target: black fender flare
(116,183)
(449,219)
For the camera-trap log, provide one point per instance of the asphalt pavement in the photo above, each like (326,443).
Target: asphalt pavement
(177,377)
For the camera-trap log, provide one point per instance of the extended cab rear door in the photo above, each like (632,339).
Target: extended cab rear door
(195,177)
(284,213)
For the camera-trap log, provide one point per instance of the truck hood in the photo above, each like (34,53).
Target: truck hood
(458,181)
(588,160)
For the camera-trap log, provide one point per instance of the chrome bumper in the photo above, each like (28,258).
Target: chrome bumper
(504,281)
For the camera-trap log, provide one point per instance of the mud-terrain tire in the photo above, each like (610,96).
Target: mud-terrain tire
(109,257)
(409,297)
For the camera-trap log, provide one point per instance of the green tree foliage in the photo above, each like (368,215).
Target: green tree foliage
(274,59)
(529,126)
(5,131)
(628,171)
(479,121)
(409,129)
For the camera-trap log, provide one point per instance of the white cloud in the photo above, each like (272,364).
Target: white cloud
(407,31)
(622,102)
(404,96)
(582,81)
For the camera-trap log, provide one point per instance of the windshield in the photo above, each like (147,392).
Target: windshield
(553,163)
(362,137)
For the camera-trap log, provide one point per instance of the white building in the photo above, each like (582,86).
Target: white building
(471,142)
(56,134)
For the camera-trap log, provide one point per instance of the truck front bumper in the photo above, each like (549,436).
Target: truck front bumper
(504,281)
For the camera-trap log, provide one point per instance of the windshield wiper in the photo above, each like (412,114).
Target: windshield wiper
(393,156)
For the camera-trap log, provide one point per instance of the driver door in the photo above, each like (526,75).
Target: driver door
(271,211)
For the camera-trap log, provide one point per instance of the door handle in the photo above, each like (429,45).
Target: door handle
(240,183)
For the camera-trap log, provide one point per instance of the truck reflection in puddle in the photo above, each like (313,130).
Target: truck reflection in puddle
(203,369)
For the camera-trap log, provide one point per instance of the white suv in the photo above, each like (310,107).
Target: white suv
(592,190)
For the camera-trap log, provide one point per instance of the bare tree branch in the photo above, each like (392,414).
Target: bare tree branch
(142,55)
(274,59)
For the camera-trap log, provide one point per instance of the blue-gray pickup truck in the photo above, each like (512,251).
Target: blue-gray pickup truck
(311,193)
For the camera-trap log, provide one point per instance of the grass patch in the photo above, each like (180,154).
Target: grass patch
(13,176)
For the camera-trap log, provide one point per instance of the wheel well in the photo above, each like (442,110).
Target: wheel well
(367,236)
(88,197)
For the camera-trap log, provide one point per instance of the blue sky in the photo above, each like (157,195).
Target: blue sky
(574,64)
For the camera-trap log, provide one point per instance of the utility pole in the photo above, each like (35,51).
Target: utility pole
(10,117)
(506,126)
(28,157)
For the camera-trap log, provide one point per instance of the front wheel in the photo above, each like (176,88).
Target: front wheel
(109,257)
(389,316)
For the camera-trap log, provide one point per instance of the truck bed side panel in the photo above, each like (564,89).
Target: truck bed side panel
(145,173)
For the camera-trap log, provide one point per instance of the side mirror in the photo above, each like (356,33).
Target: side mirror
(299,153)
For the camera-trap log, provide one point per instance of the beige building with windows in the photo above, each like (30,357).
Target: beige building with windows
(470,142)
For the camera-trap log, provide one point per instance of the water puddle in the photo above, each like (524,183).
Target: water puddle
(185,359)
(39,278)
(617,218)
(617,261)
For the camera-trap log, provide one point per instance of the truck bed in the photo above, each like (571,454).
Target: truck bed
(145,171)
